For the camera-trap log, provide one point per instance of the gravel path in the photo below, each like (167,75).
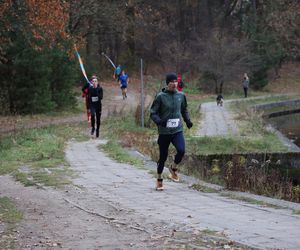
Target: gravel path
(216,120)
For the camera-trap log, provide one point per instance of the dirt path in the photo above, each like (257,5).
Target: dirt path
(51,221)
(115,206)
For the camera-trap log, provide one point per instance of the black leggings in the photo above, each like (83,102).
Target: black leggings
(245,91)
(97,113)
(164,142)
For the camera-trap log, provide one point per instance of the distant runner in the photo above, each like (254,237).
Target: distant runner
(85,90)
(124,80)
(95,95)
(180,84)
(117,72)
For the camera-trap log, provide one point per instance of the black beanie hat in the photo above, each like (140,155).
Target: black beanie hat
(170,77)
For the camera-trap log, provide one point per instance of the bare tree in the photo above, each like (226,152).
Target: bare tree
(223,58)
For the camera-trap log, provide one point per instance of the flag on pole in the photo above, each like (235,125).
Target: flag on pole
(109,60)
(81,65)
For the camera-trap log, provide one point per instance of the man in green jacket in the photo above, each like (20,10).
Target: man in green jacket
(168,107)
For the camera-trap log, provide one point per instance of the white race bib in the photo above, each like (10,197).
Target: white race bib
(94,98)
(173,123)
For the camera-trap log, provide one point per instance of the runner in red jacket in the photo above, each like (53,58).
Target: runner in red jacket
(180,84)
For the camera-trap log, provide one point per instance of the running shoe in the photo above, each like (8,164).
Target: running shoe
(173,175)
(159,185)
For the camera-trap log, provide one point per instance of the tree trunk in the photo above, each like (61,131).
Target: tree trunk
(207,7)
(216,86)
(130,13)
(221,87)
(254,6)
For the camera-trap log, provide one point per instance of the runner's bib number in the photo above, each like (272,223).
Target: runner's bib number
(173,123)
(94,98)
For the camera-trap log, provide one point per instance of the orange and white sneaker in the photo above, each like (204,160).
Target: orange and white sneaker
(173,175)
(159,185)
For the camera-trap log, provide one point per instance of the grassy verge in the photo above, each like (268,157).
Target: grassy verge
(123,129)
(36,156)
(264,99)
(297,212)
(252,126)
(18,122)
(254,137)
(118,153)
(203,189)
(253,119)
(22,120)
(122,132)
(8,212)
(9,216)
(231,145)
(281,108)
(252,201)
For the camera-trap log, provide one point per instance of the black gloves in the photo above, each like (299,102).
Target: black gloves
(158,121)
(162,123)
(189,124)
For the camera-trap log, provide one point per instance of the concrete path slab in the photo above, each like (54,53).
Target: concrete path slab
(132,189)
(216,121)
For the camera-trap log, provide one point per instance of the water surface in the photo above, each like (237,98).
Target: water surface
(289,125)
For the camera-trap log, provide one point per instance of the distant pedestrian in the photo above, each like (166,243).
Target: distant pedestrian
(166,111)
(95,95)
(245,84)
(124,80)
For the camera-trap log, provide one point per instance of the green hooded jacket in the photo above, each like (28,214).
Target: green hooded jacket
(169,105)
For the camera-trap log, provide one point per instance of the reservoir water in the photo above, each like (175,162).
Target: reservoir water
(289,125)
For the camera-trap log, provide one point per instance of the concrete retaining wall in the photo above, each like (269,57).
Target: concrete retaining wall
(294,102)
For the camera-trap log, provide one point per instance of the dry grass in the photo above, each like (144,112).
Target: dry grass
(288,82)
(260,178)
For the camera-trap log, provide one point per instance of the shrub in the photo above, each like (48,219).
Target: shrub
(261,178)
